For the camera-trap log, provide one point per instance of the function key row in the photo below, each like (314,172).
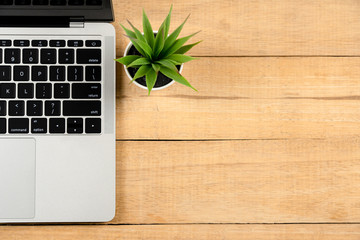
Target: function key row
(51,43)
(57,73)
(56,125)
(52,2)
(51,56)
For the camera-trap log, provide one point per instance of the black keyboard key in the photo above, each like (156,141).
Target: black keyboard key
(40,2)
(25,90)
(5,43)
(39,43)
(34,108)
(21,43)
(57,43)
(62,90)
(6,2)
(52,108)
(1,55)
(5,73)
(86,91)
(39,125)
(93,125)
(93,73)
(30,56)
(66,56)
(7,90)
(16,108)
(81,108)
(76,2)
(88,56)
(57,125)
(93,43)
(75,73)
(12,55)
(75,125)
(43,90)
(2,125)
(39,73)
(18,125)
(2,108)
(21,73)
(93,2)
(75,43)
(48,56)
(22,2)
(57,73)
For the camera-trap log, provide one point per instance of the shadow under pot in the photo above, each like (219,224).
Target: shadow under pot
(161,82)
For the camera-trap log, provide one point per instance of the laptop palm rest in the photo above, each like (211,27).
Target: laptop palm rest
(17,178)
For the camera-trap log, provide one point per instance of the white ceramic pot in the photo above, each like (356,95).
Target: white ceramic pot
(136,83)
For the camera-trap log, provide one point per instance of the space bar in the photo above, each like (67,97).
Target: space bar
(82,108)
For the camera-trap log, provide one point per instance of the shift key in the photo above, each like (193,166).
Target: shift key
(88,56)
(82,108)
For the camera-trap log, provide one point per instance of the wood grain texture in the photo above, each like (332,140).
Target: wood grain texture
(258,181)
(184,232)
(247,98)
(255,27)
(302,113)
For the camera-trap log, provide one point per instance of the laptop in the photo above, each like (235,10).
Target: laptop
(57,111)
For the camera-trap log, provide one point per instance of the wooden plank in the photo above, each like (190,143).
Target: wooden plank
(255,27)
(247,98)
(258,181)
(184,232)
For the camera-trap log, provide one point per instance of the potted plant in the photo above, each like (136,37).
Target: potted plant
(154,59)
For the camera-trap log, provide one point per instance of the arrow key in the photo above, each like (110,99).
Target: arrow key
(57,125)
(75,125)
(93,125)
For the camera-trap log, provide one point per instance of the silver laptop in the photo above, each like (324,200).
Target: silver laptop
(57,111)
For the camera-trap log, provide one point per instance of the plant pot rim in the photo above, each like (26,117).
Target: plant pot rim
(136,83)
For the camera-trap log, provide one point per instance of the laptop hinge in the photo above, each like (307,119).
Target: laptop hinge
(76,22)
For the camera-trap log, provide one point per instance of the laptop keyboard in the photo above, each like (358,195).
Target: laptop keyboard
(52,2)
(50,86)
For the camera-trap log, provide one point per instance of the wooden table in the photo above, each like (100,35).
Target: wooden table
(269,148)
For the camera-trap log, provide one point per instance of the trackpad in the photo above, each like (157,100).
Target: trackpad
(17,178)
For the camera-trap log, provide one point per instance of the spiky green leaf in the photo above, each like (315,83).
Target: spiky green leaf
(137,32)
(145,47)
(142,71)
(172,38)
(174,62)
(148,31)
(159,42)
(175,76)
(140,62)
(151,77)
(127,59)
(155,66)
(176,46)
(167,63)
(129,32)
(166,23)
(186,48)
(137,46)
(180,58)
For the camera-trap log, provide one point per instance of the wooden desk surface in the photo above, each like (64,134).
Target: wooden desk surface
(271,138)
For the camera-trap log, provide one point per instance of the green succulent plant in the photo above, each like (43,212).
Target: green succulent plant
(160,52)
